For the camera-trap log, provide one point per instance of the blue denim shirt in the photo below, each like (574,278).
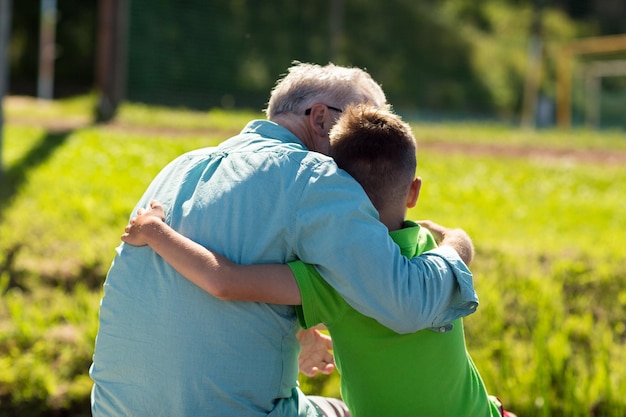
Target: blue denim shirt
(166,348)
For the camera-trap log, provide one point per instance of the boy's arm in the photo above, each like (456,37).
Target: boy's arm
(226,280)
(215,274)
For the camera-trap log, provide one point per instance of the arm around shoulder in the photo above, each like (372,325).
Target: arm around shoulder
(353,252)
(212,272)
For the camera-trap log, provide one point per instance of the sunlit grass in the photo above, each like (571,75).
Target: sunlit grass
(87,185)
(162,117)
(527,207)
(547,338)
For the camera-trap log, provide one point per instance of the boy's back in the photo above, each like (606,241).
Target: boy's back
(427,373)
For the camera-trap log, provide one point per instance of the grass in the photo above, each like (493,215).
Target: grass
(544,206)
(167,118)
(548,336)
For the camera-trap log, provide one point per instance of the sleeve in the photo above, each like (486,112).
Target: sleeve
(338,231)
(320,302)
(305,311)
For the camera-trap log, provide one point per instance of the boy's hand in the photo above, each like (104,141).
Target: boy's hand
(137,232)
(438,231)
(315,355)
(456,238)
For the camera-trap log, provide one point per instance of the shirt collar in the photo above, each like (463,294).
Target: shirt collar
(272,130)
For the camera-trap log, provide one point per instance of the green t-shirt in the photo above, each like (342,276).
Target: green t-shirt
(383,373)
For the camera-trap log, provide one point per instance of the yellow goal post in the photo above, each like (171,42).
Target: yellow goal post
(570,51)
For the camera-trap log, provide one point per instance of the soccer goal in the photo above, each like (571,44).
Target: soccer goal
(599,56)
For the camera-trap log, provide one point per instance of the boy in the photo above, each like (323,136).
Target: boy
(427,373)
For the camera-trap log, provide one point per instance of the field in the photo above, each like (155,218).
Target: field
(545,210)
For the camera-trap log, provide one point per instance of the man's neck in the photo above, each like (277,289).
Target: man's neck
(296,126)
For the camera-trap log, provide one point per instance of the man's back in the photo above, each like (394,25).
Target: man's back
(179,351)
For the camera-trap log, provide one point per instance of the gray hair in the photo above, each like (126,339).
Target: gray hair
(336,86)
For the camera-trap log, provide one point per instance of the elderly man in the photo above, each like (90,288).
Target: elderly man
(267,195)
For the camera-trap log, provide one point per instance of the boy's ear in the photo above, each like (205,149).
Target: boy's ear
(414,192)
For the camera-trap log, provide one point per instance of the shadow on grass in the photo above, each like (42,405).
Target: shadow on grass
(10,181)
(16,174)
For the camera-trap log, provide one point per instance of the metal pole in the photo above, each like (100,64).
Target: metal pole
(594,73)
(533,68)
(564,88)
(592,99)
(5,34)
(47,51)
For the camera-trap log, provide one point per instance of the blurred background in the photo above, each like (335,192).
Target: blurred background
(518,107)
(511,60)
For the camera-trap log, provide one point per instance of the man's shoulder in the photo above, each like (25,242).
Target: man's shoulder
(267,136)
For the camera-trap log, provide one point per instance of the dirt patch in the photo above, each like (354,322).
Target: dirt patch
(593,156)
(52,125)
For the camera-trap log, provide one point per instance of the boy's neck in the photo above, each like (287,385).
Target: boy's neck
(393,220)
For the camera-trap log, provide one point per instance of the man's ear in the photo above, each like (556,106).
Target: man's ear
(414,192)
(317,119)
(320,125)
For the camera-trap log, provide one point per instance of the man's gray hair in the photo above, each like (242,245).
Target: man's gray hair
(307,84)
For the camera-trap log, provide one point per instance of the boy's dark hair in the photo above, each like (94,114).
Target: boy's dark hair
(377,149)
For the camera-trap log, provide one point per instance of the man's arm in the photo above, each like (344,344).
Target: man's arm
(266,283)
(339,232)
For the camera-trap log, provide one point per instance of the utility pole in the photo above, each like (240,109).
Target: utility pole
(47,49)
(5,34)
(533,67)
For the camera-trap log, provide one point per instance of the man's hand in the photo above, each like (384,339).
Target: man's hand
(315,355)
(456,238)
(136,233)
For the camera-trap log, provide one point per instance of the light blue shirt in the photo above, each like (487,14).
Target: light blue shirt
(166,348)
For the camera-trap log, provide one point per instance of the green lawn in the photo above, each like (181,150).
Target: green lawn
(548,337)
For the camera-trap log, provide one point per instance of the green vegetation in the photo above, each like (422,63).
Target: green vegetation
(451,55)
(548,336)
